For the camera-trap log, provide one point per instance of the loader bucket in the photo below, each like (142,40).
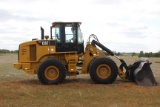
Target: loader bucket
(142,74)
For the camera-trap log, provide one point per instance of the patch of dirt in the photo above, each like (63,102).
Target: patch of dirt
(9,85)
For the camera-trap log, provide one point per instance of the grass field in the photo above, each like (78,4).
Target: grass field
(18,89)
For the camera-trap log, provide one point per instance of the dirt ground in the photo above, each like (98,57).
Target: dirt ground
(19,89)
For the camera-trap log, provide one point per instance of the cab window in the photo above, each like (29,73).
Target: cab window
(57,33)
(80,36)
(70,33)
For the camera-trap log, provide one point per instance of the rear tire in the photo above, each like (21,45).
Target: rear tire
(51,71)
(103,71)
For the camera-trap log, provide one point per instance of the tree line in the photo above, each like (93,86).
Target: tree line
(8,51)
(149,54)
(140,54)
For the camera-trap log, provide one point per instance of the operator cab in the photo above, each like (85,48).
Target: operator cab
(68,37)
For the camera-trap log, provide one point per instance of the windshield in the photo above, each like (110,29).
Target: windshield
(80,36)
(57,33)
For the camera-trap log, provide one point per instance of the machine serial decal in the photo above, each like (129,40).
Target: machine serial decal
(24,51)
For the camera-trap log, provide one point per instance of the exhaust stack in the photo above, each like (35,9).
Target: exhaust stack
(42,33)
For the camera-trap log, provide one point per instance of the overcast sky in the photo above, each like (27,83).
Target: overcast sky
(121,25)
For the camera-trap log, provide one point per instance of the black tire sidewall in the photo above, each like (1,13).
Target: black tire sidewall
(103,60)
(90,62)
(58,65)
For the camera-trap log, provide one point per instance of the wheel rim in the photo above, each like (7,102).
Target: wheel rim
(51,73)
(103,71)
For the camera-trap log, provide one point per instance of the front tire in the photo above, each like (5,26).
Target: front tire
(103,71)
(51,71)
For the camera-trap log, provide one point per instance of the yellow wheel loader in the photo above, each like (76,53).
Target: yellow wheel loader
(54,58)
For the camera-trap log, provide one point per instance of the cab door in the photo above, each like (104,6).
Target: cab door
(70,37)
(66,35)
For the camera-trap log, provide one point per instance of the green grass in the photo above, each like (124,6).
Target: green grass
(18,89)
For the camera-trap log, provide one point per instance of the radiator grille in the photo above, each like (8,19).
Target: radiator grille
(32,52)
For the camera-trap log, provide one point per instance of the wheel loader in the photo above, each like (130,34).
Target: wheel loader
(55,57)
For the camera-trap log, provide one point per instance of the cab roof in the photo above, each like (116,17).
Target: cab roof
(55,23)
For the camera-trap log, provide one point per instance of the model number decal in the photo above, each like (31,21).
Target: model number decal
(43,43)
